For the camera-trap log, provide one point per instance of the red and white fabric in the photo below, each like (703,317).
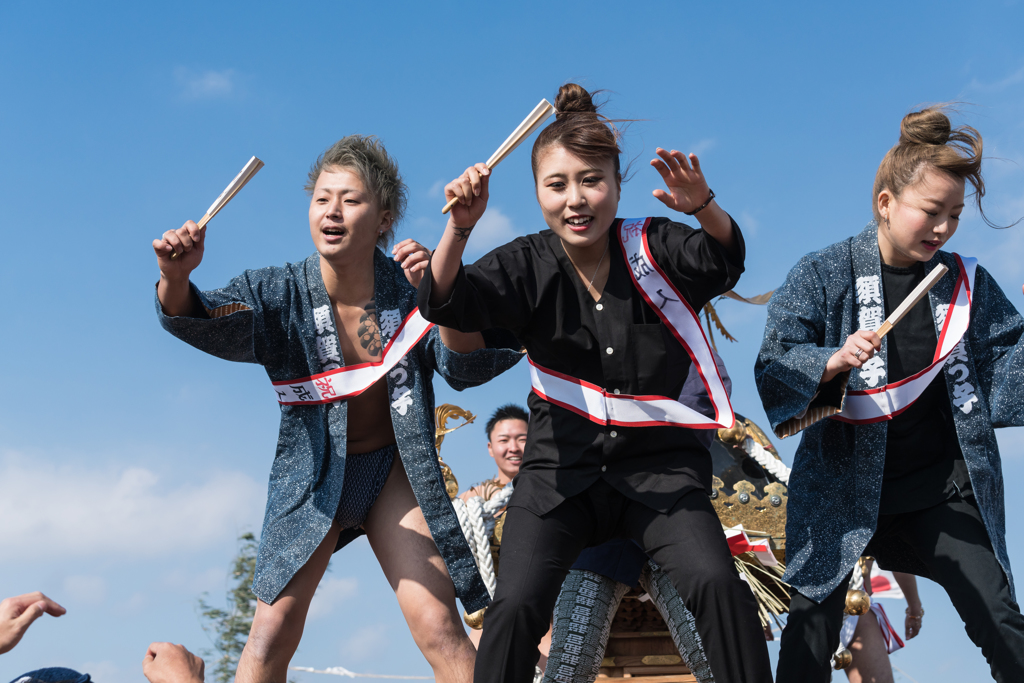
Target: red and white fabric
(352,380)
(874,405)
(608,408)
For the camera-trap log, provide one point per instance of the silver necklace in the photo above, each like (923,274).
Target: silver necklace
(590,285)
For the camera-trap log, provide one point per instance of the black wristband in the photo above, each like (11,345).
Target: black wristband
(711,195)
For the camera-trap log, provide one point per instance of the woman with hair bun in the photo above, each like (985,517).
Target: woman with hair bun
(906,468)
(604,306)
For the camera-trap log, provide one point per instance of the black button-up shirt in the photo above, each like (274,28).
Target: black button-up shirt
(530,288)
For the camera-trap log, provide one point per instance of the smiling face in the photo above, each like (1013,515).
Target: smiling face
(345,219)
(921,220)
(507,441)
(579,199)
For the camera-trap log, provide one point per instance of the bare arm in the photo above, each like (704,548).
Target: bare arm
(915,612)
(173,290)
(471,189)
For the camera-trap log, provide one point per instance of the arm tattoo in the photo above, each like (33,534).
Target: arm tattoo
(462,234)
(369,330)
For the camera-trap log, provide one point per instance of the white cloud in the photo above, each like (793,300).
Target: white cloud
(748,224)
(493,230)
(1012,79)
(700,147)
(436,189)
(51,511)
(89,590)
(203,85)
(329,594)
(370,641)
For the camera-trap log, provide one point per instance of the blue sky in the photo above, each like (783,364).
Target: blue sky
(129,462)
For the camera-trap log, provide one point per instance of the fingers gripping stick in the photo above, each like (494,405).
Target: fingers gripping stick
(531,123)
(244,176)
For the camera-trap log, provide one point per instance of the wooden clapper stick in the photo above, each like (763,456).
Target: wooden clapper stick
(531,123)
(919,292)
(244,176)
(812,415)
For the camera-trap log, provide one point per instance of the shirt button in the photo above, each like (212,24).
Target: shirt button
(616,391)
(604,468)
(614,434)
(599,307)
(609,350)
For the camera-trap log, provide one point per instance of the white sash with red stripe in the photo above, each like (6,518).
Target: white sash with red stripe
(883,403)
(352,380)
(603,407)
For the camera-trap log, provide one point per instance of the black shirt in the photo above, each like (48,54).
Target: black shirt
(530,287)
(923,461)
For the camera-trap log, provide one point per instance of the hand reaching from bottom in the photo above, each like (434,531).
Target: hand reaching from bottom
(169,663)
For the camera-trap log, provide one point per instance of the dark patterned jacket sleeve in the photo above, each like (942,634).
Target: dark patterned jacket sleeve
(232,327)
(464,370)
(792,358)
(997,340)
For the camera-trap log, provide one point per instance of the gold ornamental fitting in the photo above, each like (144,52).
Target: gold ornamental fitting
(857,603)
(474,620)
(735,435)
(842,659)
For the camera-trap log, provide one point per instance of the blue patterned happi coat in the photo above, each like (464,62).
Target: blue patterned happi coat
(266,316)
(836,483)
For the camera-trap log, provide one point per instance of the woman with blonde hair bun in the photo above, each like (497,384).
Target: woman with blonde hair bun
(898,458)
(604,306)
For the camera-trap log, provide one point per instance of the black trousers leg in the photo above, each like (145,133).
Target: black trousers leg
(536,554)
(951,540)
(811,637)
(690,547)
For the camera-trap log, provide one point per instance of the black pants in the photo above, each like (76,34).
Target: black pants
(950,539)
(688,544)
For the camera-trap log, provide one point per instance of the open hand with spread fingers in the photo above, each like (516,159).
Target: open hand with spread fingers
(687,189)
(414,258)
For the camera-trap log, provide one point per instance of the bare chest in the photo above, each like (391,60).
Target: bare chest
(369,417)
(358,332)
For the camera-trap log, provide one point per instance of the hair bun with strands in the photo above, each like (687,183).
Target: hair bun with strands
(580,129)
(929,141)
(573,99)
(927,127)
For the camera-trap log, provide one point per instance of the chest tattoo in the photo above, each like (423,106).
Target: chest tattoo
(369,329)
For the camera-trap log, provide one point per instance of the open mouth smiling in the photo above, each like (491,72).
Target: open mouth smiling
(579,223)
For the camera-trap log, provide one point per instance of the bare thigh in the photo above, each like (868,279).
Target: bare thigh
(401,540)
(870,656)
(277,628)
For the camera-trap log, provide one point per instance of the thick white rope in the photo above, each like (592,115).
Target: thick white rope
(481,543)
(477,519)
(766,460)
